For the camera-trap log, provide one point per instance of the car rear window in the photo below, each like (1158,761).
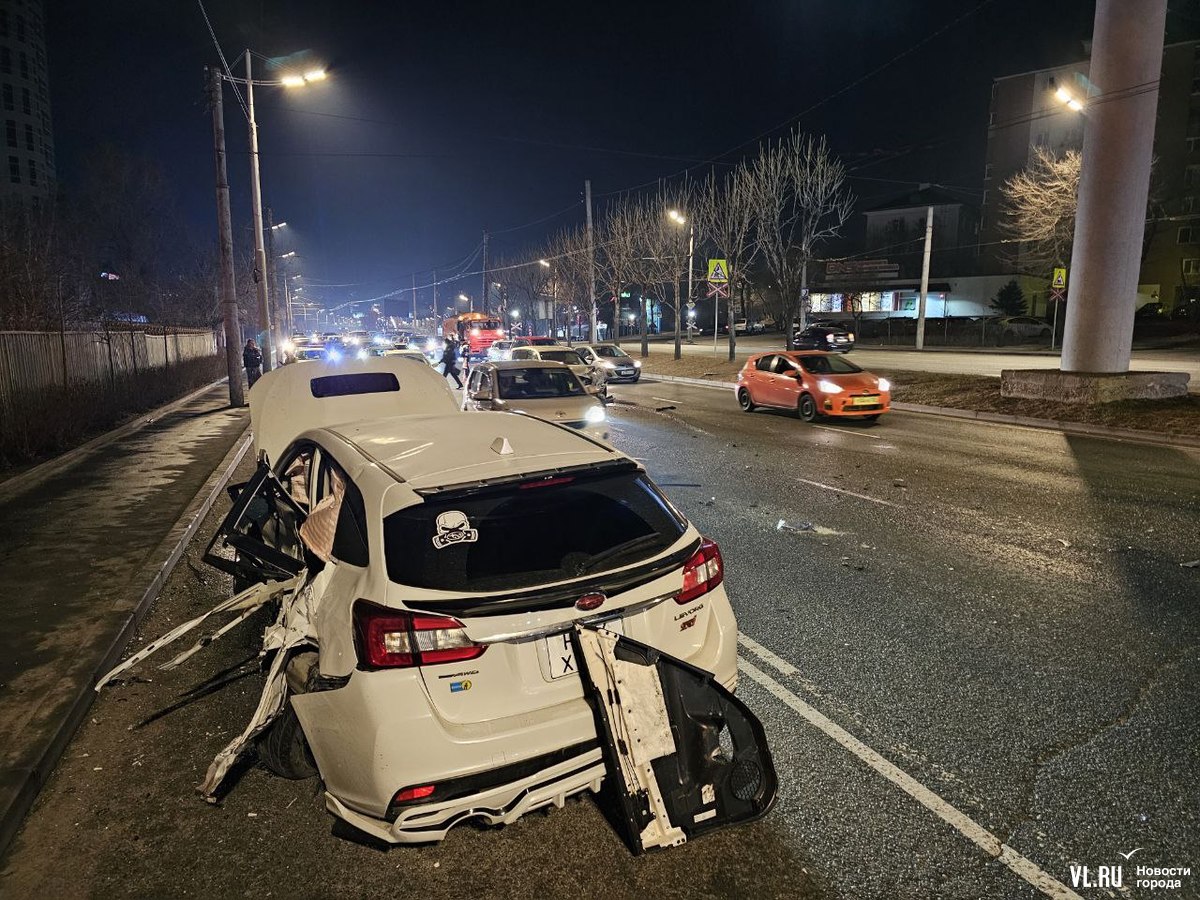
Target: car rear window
(358,383)
(570,357)
(538,384)
(529,534)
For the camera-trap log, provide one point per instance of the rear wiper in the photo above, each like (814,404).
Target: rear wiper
(619,550)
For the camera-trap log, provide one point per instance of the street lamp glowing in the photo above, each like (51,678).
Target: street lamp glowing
(280,225)
(676,216)
(290,254)
(292,81)
(1074,104)
(1063,95)
(543,263)
(516,313)
(315,75)
(464,298)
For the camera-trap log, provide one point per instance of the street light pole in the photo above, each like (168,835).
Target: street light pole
(227,289)
(260,253)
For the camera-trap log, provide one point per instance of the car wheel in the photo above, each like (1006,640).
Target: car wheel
(283,748)
(807,408)
(744,400)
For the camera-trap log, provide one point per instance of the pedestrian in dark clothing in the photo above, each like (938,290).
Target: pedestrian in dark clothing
(450,361)
(252,360)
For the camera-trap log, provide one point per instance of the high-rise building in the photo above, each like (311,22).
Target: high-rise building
(26,143)
(1025,113)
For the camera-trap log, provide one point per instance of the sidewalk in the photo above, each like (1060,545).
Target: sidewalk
(82,553)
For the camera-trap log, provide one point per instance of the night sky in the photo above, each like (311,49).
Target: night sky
(440,119)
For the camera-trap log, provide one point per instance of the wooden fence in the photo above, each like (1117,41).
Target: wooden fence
(34,360)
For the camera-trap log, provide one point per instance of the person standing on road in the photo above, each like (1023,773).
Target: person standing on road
(450,361)
(252,360)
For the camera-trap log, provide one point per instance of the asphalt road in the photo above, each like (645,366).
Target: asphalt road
(952,362)
(962,634)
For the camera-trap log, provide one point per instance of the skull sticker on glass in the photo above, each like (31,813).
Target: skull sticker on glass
(454,528)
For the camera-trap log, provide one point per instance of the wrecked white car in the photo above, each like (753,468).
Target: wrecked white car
(431,583)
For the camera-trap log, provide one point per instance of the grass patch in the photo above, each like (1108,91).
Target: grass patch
(1179,416)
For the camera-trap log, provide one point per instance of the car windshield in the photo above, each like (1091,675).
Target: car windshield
(610,351)
(538,384)
(514,538)
(570,357)
(828,365)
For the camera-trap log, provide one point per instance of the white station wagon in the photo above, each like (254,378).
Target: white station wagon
(444,569)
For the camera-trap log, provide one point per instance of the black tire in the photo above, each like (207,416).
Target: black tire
(744,400)
(806,408)
(283,748)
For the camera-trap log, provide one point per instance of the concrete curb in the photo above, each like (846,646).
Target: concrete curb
(11,487)
(1123,434)
(17,805)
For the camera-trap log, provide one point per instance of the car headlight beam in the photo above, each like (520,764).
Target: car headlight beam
(884,384)
(829,387)
(595,415)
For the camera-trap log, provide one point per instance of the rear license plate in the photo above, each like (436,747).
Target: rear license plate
(864,401)
(562,653)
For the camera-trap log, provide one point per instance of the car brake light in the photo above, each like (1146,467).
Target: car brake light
(703,572)
(396,639)
(409,794)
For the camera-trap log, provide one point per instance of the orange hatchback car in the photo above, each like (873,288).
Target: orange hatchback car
(814,384)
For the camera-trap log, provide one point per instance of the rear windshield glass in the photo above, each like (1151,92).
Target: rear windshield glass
(611,351)
(828,365)
(570,357)
(537,384)
(521,537)
(360,383)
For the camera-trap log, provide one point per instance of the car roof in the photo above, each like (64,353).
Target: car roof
(429,451)
(283,404)
(522,364)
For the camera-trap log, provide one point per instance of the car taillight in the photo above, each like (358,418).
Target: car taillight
(409,794)
(703,572)
(395,639)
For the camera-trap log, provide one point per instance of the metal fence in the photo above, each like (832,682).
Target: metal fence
(31,361)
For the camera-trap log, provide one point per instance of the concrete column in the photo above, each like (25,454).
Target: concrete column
(1114,181)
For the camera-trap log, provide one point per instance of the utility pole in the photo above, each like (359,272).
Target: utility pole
(591,247)
(278,315)
(226,287)
(260,253)
(486,286)
(924,279)
(435,300)
(414,307)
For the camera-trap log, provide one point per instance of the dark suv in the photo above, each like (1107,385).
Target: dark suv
(824,337)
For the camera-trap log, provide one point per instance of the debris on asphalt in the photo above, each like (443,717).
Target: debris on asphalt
(856,566)
(784,525)
(1194,564)
(663,408)
(899,482)
(709,502)
(1064,542)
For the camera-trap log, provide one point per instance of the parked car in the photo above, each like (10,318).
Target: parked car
(535,340)
(812,383)
(824,337)
(547,390)
(408,353)
(308,351)
(1020,329)
(501,350)
(614,361)
(446,558)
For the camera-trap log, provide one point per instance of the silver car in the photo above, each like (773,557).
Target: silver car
(544,389)
(616,364)
(500,350)
(568,356)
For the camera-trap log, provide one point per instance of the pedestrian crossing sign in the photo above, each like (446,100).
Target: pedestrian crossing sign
(1060,279)
(718,271)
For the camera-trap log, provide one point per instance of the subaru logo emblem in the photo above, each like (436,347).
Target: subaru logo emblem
(588,602)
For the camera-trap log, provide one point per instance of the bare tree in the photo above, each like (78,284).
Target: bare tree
(619,246)
(725,214)
(571,272)
(1039,210)
(526,283)
(801,200)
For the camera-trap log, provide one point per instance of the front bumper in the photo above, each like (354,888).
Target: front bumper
(842,406)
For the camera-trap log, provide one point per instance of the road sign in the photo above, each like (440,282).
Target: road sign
(691,304)
(1057,294)
(718,271)
(718,290)
(1059,280)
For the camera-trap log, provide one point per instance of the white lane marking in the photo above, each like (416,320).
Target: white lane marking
(666,399)
(874,437)
(968,827)
(830,487)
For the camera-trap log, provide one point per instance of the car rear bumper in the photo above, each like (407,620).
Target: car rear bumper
(500,805)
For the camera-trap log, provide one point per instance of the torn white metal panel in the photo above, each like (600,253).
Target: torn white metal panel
(637,716)
(249,599)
